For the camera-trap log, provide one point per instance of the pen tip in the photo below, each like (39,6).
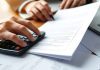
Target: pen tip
(52,17)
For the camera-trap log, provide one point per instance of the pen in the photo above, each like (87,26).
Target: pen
(53,14)
(52,17)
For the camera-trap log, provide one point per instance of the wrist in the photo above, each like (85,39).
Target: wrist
(23,6)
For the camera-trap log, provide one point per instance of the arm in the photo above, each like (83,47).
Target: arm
(16,26)
(39,9)
(16,3)
(36,10)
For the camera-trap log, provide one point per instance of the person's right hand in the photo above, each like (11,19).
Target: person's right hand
(39,10)
(14,26)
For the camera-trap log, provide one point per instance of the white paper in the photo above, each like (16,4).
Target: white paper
(91,39)
(82,60)
(64,34)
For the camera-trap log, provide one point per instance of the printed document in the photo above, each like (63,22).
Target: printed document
(64,34)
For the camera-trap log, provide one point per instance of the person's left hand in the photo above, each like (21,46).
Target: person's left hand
(10,29)
(71,3)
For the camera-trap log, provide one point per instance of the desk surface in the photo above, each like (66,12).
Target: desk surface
(6,12)
(82,59)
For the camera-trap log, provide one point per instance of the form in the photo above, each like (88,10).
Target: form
(64,34)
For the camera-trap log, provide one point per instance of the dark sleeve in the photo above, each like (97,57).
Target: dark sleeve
(89,1)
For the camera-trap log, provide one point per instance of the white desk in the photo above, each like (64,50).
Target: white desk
(82,59)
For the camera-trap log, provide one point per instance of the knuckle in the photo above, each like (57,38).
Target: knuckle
(36,12)
(30,35)
(77,0)
(42,8)
(14,36)
(28,23)
(45,4)
(7,23)
(36,3)
(22,27)
(13,18)
(72,0)
(33,15)
(2,29)
(1,36)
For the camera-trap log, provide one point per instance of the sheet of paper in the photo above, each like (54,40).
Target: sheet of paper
(64,34)
(91,39)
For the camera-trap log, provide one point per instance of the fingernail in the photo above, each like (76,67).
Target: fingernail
(17,48)
(24,44)
(50,19)
(39,33)
(32,39)
(50,13)
(43,20)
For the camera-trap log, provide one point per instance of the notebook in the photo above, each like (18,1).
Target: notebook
(64,34)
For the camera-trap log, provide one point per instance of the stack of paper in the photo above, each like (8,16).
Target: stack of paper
(64,34)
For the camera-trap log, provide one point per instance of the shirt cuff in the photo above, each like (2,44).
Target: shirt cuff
(21,14)
(23,5)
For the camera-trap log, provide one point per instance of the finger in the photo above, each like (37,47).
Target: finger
(63,4)
(82,2)
(28,24)
(13,37)
(38,14)
(21,29)
(68,4)
(32,16)
(75,3)
(42,9)
(46,6)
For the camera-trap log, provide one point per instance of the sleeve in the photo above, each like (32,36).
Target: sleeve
(20,9)
(15,4)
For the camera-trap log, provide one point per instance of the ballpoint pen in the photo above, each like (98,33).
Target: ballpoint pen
(53,14)
(52,17)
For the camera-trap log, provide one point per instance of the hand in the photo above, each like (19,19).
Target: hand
(14,26)
(39,10)
(71,3)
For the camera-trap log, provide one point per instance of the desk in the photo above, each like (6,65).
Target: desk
(6,12)
(82,59)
